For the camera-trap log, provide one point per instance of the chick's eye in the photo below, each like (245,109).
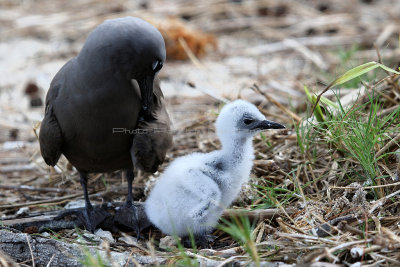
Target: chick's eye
(248,121)
(157,65)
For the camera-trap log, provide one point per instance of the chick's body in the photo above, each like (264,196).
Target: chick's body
(192,193)
(205,185)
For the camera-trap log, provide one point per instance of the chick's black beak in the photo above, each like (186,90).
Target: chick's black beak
(146,92)
(266,124)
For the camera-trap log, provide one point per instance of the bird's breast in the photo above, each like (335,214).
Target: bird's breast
(98,128)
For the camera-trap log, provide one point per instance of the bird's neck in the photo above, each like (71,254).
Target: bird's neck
(238,149)
(100,71)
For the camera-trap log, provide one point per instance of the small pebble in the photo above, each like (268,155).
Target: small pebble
(128,240)
(22,211)
(76,204)
(87,238)
(168,242)
(104,234)
(356,252)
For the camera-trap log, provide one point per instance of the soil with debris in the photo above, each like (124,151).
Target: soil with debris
(327,211)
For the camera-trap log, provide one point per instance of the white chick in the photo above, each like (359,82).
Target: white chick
(192,193)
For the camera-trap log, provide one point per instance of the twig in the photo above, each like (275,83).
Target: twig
(384,258)
(380,201)
(17,168)
(228,260)
(392,236)
(276,103)
(198,64)
(288,226)
(190,54)
(256,214)
(208,92)
(307,237)
(38,189)
(296,182)
(307,53)
(385,34)
(51,259)
(134,243)
(62,199)
(387,146)
(366,187)
(391,174)
(345,226)
(30,249)
(387,111)
(325,229)
(378,54)
(34,203)
(348,244)
(134,261)
(203,260)
(14,160)
(305,41)
(282,225)
(6,260)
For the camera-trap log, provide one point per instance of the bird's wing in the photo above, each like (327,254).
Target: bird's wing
(50,137)
(208,195)
(154,138)
(184,199)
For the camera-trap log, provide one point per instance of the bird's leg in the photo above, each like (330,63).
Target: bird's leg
(129,201)
(83,180)
(129,176)
(130,214)
(90,216)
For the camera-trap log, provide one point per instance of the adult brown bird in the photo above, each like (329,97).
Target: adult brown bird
(98,99)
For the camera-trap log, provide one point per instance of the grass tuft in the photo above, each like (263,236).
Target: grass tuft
(241,230)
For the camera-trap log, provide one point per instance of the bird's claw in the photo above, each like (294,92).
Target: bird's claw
(93,218)
(133,217)
(89,218)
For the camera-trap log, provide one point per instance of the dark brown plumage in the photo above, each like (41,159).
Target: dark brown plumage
(98,99)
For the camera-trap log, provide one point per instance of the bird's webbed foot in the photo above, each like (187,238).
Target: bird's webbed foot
(202,241)
(132,216)
(90,218)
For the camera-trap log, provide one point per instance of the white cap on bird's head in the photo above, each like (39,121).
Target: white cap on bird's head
(241,119)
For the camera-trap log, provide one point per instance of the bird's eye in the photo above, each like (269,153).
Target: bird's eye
(157,65)
(248,121)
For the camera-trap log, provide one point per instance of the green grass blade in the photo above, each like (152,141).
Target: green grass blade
(317,111)
(319,115)
(360,70)
(387,68)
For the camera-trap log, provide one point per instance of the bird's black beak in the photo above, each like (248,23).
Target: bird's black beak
(146,92)
(266,124)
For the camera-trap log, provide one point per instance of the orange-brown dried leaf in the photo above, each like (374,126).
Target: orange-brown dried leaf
(173,29)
